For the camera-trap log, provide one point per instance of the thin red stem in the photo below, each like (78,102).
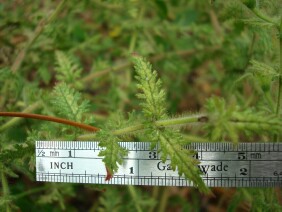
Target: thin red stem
(50,118)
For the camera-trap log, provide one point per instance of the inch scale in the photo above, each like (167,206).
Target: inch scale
(222,164)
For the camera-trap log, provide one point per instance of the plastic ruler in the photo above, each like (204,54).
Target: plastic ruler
(222,164)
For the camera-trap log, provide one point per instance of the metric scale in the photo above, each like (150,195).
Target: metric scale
(222,164)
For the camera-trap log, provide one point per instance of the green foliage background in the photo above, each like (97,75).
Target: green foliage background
(73,59)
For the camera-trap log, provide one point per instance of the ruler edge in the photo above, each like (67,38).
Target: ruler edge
(264,184)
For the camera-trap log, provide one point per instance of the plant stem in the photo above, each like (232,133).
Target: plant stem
(134,198)
(46,118)
(263,17)
(32,191)
(133,40)
(164,198)
(3,96)
(38,30)
(250,51)
(14,121)
(129,129)
(215,23)
(155,194)
(161,123)
(279,98)
(89,78)
(194,138)
(280,75)
(26,114)
(5,188)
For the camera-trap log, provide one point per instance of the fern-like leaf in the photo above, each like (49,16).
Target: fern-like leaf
(257,121)
(170,141)
(113,153)
(219,126)
(67,69)
(111,200)
(263,69)
(171,145)
(259,199)
(152,94)
(16,151)
(68,102)
(229,121)
(57,193)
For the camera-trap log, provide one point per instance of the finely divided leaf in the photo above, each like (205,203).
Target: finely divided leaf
(219,125)
(110,200)
(16,151)
(263,69)
(171,145)
(67,69)
(113,152)
(170,141)
(68,102)
(154,105)
(227,121)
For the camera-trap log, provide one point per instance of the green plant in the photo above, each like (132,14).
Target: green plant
(221,60)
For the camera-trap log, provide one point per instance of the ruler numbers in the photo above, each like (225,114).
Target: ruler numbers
(221,164)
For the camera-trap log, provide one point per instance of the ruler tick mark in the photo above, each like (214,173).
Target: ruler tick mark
(213,157)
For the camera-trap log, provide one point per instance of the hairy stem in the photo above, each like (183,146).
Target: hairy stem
(164,123)
(161,123)
(38,30)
